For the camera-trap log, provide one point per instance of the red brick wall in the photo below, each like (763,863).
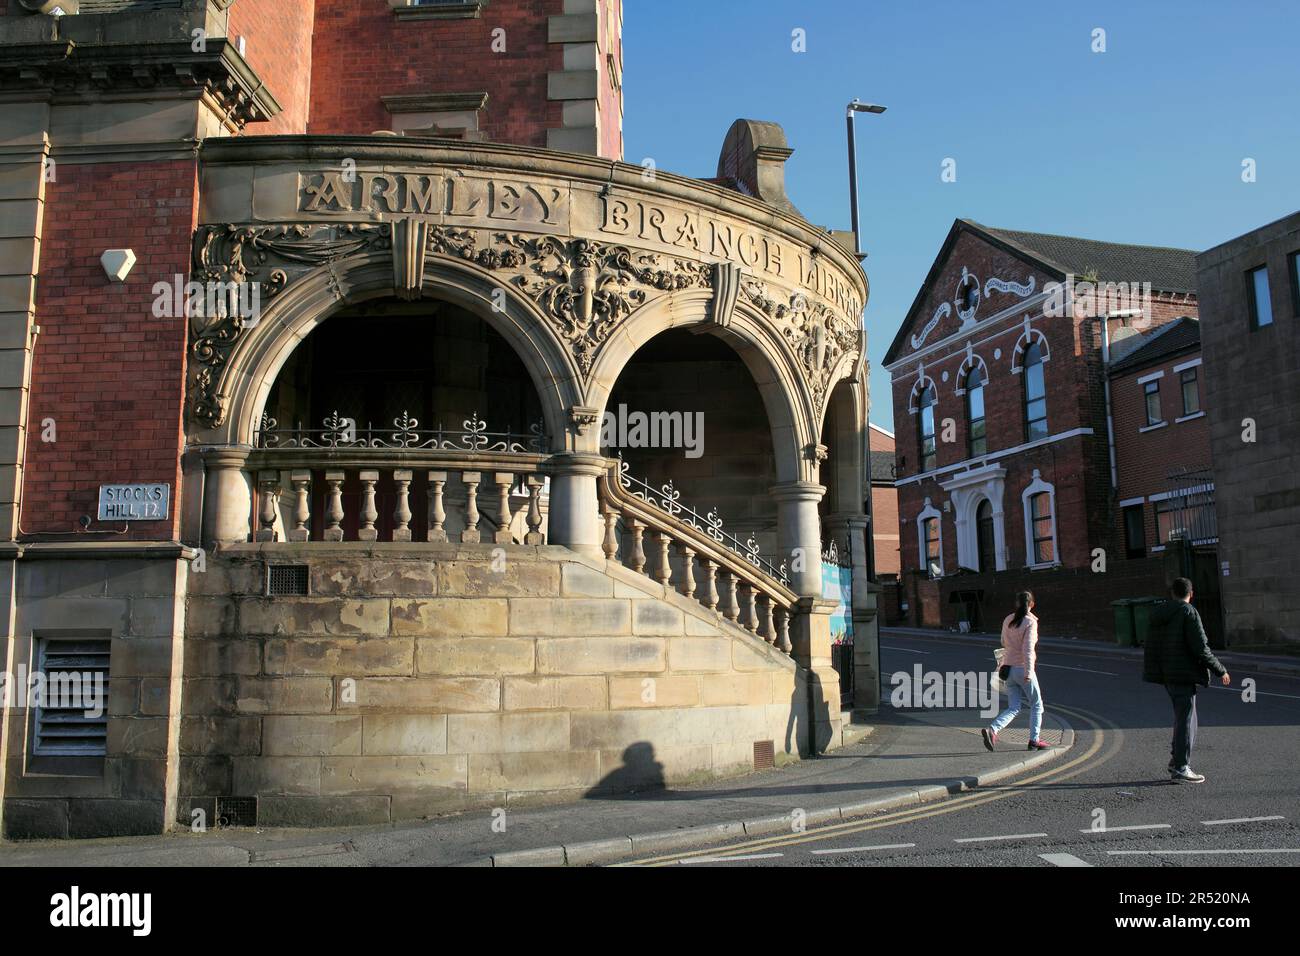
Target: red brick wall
(1072,602)
(610,100)
(278,46)
(361,52)
(108,372)
(884,512)
(1078,467)
(1146,459)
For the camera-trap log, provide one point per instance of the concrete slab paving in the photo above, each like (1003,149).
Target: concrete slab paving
(909,757)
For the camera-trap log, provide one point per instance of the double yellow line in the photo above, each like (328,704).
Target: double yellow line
(1057,773)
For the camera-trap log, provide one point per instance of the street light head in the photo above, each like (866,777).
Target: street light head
(858,107)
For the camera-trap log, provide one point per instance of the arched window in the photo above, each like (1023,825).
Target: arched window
(929,456)
(1035,393)
(976,443)
(1039,502)
(988,559)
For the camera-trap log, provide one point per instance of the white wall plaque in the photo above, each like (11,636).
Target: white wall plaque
(134,502)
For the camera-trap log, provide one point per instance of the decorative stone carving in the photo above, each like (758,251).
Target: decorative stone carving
(587,288)
(231,255)
(818,336)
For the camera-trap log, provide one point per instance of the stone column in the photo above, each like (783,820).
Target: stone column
(574,519)
(810,640)
(799,534)
(227,496)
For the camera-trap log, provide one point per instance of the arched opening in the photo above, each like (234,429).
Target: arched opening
(410,377)
(984,535)
(685,410)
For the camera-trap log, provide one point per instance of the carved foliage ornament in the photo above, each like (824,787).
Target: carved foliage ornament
(818,335)
(584,288)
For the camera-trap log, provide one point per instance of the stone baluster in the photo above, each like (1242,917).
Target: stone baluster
(769,622)
(711,584)
(665,573)
(369,513)
(688,571)
(534,535)
(503,480)
(733,600)
(471,535)
(402,513)
(751,608)
(301,481)
(637,557)
(268,483)
(783,630)
(610,546)
(334,507)
(437,513)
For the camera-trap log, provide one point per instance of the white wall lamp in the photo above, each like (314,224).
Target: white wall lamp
(117,263)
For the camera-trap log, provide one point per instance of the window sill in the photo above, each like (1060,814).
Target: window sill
(440,11)
(1046,566)
(1188,418)
(1157,548)
(1151,428)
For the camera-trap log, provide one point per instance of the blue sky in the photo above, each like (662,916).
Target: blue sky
(1142,143)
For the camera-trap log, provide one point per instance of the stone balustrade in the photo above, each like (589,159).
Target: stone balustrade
(656,536)
(325,494)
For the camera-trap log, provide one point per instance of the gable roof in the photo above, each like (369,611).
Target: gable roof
(1167,269)
(882,467)
(1180,335)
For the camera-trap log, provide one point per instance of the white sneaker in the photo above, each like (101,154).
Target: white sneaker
(1186,775)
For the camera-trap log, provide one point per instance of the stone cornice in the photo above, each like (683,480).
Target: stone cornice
(68,68)
(615,177)
(434,102)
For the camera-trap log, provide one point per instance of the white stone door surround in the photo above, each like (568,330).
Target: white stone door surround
(966,490)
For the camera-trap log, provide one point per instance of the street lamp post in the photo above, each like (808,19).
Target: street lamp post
(856,107)
(859,107)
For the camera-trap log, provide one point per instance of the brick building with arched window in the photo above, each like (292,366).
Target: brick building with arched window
(1005,440)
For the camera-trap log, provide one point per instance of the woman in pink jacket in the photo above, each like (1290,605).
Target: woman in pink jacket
(1020,640)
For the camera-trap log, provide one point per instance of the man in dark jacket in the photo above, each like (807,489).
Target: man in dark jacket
(1178,656)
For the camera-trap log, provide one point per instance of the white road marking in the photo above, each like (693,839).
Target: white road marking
(905,650)
(732,859)
(1140,826)
(1258,693)
(1086,670)
(1194,852)
(1063,859)
(1215,823)
(1009,836)
(859,849)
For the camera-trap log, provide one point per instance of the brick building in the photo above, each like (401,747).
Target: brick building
(1250,291)
(312,312)
(1004,458)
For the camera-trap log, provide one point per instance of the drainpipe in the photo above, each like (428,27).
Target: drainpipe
(1105,360)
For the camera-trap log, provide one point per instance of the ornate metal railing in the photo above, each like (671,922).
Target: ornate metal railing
(667,498)
(738,583)
(343,432)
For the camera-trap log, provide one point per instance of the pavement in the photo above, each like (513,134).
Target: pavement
(901,759)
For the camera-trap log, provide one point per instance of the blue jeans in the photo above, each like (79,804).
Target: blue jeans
(1017,690)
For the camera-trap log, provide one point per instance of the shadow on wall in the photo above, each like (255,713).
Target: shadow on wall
(641,772)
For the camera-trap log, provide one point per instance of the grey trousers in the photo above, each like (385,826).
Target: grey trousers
(1183,697)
